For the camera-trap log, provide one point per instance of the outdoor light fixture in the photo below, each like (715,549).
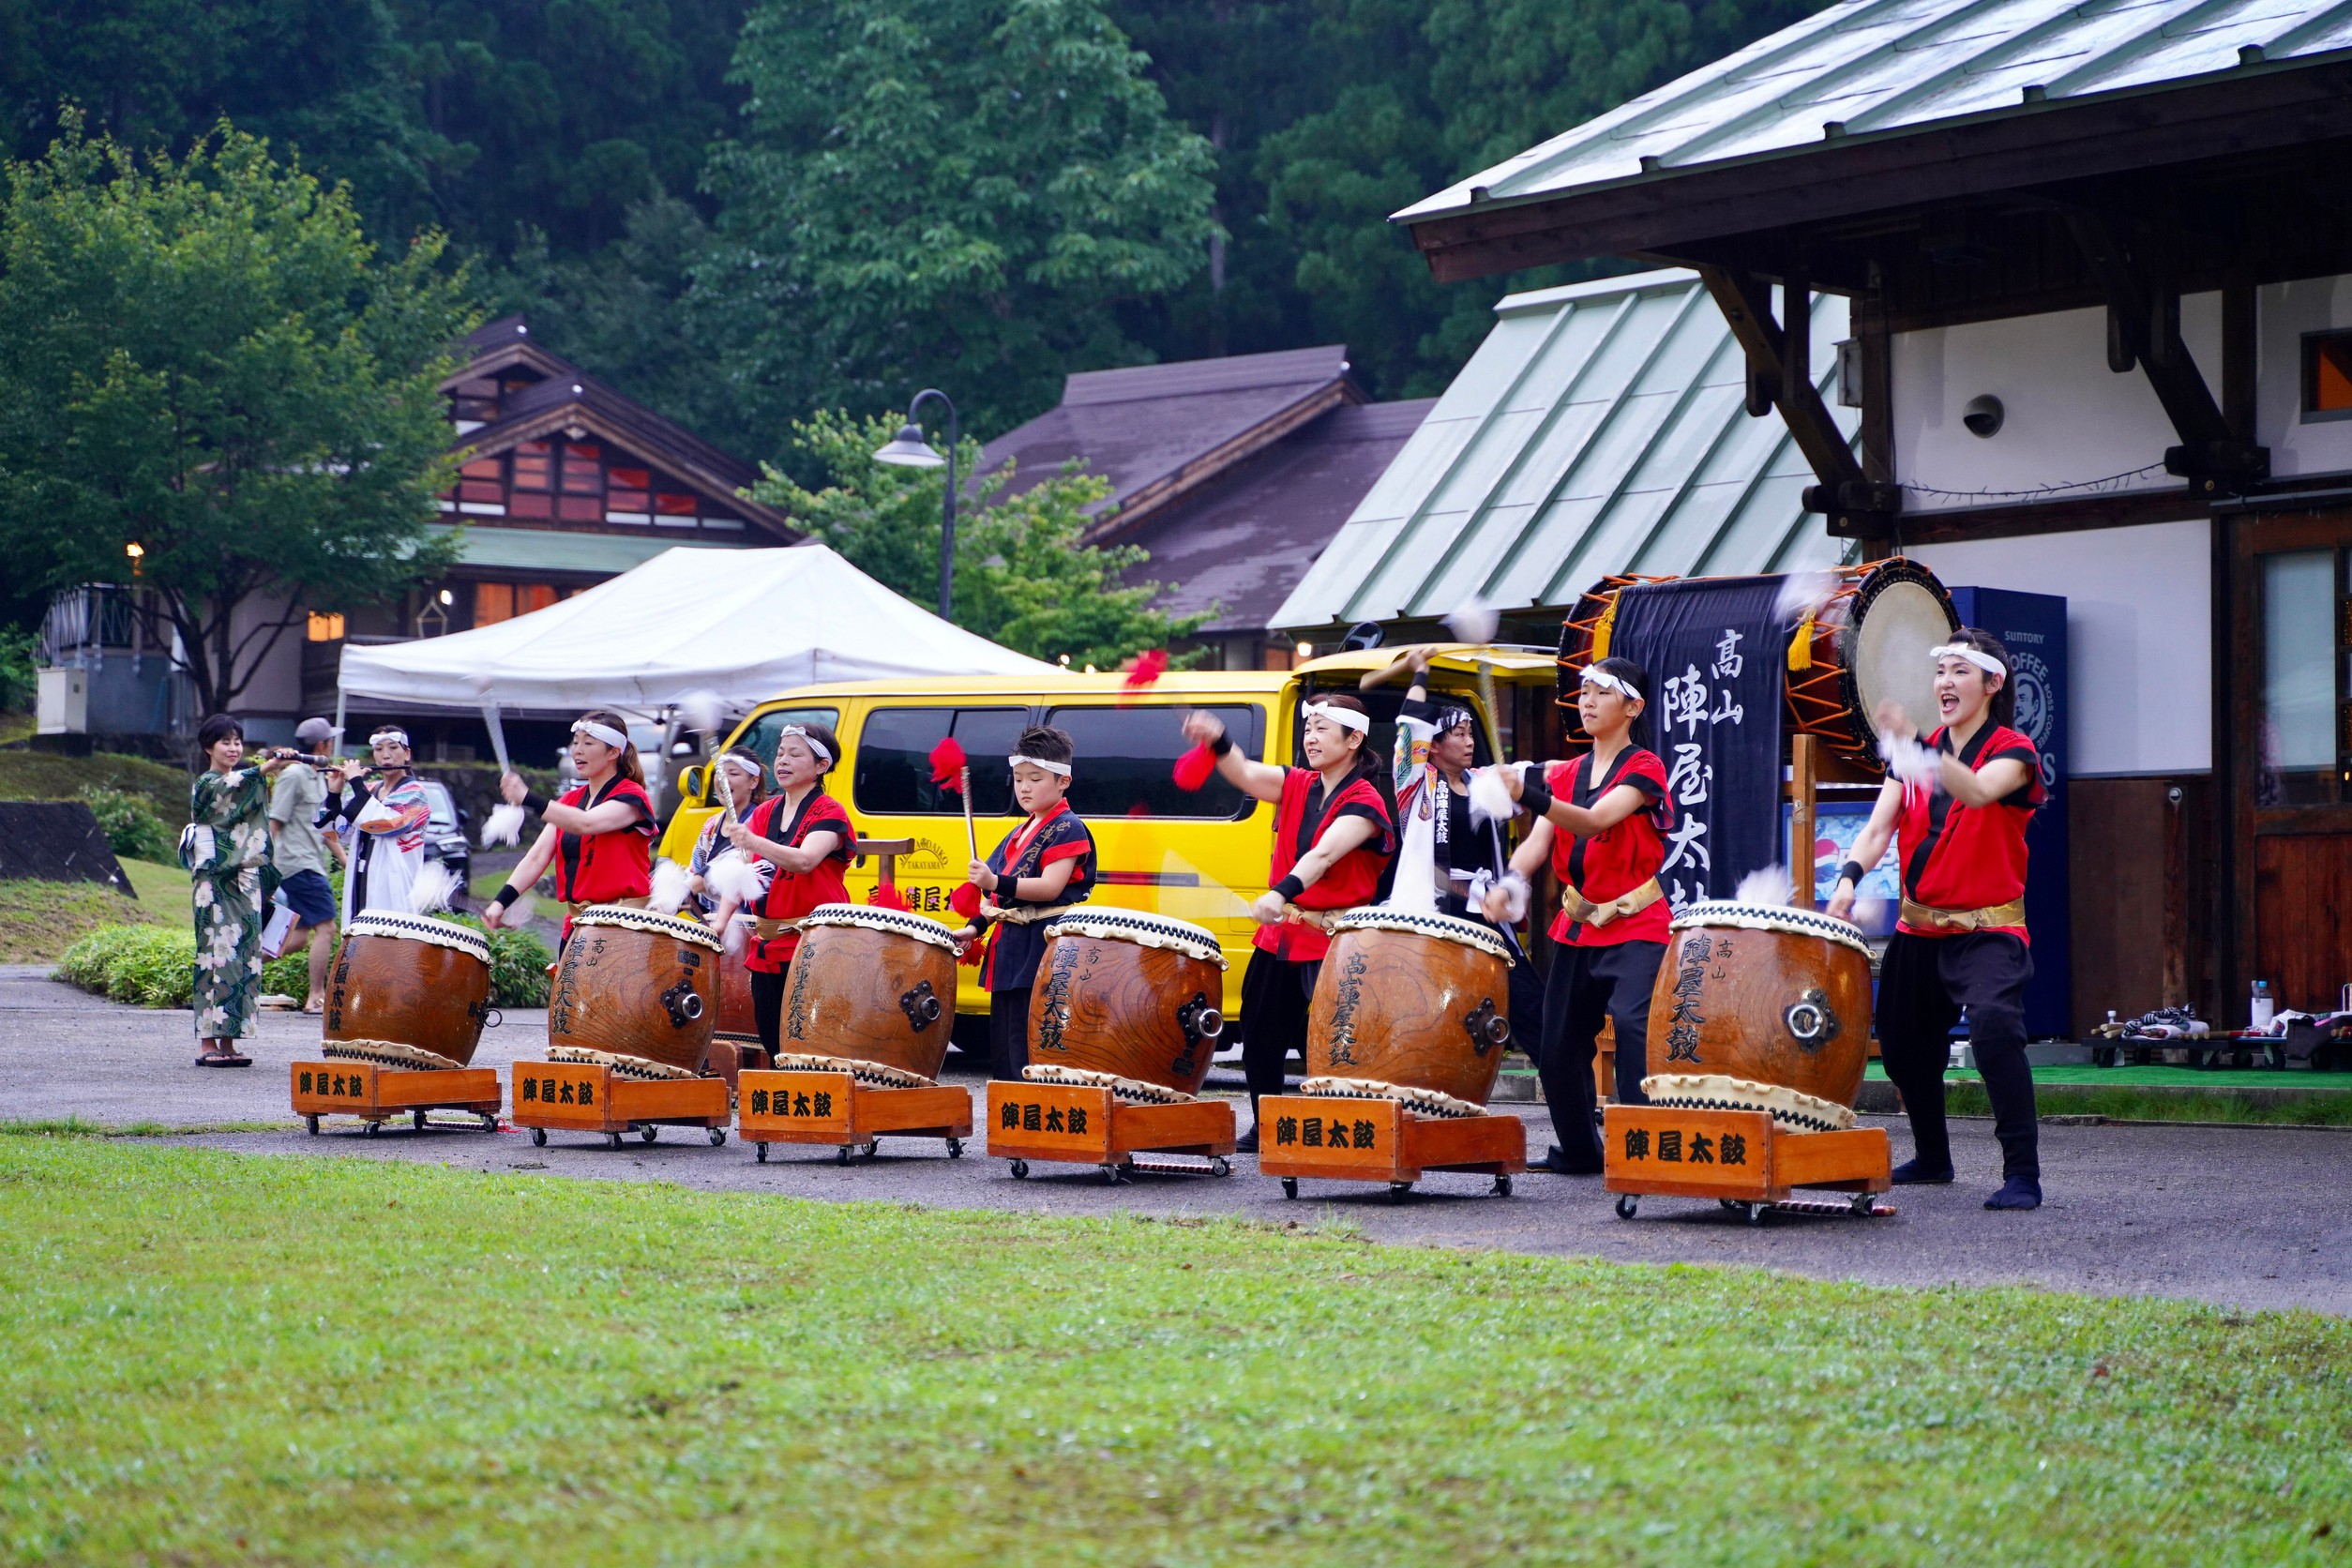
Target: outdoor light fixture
(1983,416)
(1307,650)
(135,550)
(447,597)
(910,450)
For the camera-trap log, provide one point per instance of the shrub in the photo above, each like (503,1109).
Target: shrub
(130,825)
(148,966)
(519,961)
(18,677)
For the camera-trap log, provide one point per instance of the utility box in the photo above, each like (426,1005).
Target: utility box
(64,705)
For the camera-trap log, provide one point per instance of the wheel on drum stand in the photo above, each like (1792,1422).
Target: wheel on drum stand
(1627,1205)
(314,1124)
(1399,1191)
(1289,1186)
(1111,1174)
(372,1128)
(843,1156)
(1502,1185)
(1864,1205)
(647,1133)
(612,1140)
(718,1137)
(416,1119)
(873,1148)
(759,1153)
(1220,1166)
(954,1147)
(538,1137)
(490,1122)
(1755,1213)
(1021,1170)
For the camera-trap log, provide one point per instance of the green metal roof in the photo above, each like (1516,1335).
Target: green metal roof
(548,549)
(1600,428)
(1890,67)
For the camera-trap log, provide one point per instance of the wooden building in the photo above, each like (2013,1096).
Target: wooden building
(2099,267)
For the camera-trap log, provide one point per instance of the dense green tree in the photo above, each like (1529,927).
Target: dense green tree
(957,192)
(1022,577)
(205,356)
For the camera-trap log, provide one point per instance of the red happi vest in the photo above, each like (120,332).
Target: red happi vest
(603,867)
(1969,857)
(1612,864)
(1352,880)
(794,893)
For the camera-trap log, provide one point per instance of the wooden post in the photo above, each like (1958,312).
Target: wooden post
(1801,833)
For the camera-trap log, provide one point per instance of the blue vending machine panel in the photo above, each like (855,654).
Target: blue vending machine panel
(2032,626)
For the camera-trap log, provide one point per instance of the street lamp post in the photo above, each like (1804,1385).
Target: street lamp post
(910,450)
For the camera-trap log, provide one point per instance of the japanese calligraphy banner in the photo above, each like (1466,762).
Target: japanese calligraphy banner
(1715,650)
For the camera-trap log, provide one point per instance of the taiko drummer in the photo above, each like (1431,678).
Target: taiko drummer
(1602,819)
(1045,864)
(1961,941)
(806,835)
(599,834)
(1335,833)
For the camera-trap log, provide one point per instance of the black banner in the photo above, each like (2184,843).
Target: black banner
(1715,654)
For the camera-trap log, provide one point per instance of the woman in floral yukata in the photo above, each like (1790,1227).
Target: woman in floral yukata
(227,854)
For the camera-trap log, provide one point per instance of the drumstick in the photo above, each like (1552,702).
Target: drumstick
(726,793)
(497,733)
(972,835)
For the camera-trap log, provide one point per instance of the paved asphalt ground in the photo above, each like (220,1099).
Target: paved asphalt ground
(2252,1218)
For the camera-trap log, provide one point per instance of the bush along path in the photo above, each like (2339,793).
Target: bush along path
(153,966)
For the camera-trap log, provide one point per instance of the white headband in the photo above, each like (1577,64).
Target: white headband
(398,737)
(1060,770)
(1347,718)
(1608,682)
(1982,660)
(604,733)
(806,739)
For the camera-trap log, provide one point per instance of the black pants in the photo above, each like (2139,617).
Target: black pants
(1922,986)
(1275,997)
(1527,986)
(1587,986)
(1008,1033)
(767,1007)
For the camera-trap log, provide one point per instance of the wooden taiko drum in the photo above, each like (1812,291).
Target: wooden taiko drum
(1417,1000)
(871,984)
(637,983)
(1767,995)
(411,981)
(1130,994)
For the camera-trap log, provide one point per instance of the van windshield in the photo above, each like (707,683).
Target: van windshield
(1126,758)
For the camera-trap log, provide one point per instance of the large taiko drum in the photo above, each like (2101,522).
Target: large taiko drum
(1414,1000)
(408,990)
(871,984)
(1761,1008)
(1860,637)
(1132,995)
(638,985)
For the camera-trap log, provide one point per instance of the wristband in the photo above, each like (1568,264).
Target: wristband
(506,896)
(535,804)
(1535,796)
(1222,745)
(1289,887)
(1852,871)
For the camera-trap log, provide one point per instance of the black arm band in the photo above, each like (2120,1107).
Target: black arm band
(506,896)
(1219,746)
(1852,871)
(1534,794)
(535,804)
(1289,887)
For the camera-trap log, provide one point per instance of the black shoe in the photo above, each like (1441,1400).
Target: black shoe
(1247,1144)
(1911,1173)
(2018,1192)
(1556,1163)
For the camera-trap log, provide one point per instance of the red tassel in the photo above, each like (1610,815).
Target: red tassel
(948,762)
(965,901)
(975,952)
(889,898)
(1194,767)
(1145,672)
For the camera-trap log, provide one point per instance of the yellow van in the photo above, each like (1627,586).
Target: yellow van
(1200,857)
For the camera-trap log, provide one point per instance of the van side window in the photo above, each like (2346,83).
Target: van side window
(1126,755)
(894,759)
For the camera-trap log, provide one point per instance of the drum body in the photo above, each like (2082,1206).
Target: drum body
(1131,994)
(1422,1000)
(633,983)
(871,984)
(1860,637)
(1767,993)
(412,980)
(735,1019)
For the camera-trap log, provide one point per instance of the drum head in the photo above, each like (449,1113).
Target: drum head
(1898,622)
(871,917)
(1445,927)
(1144,930)
(418,927)
(629,919)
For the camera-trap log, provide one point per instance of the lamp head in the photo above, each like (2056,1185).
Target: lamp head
(910,450)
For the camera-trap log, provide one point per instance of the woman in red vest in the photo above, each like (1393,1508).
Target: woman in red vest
(806,835)
(1334,836)
(599,834)
(1602,820)
(1961,942)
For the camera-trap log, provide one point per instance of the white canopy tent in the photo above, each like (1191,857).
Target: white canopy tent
(741,624)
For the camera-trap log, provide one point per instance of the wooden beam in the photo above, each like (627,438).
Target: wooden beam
(2238,341)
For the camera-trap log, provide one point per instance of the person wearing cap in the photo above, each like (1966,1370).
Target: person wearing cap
(1958,805)
(599,833)
(806,835)
(381,815)
(1041,867)
(1602,820)
(1335,833)
(300,850)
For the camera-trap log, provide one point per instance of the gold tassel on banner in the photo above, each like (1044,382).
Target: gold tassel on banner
(1600,632)
(1801,645)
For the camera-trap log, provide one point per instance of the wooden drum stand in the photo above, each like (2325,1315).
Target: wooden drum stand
(1083,1125)
(590,1097)
(799,1105)
(375,1095)
(1380,1140)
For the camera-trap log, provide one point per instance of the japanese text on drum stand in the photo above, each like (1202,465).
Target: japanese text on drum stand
(1690,771)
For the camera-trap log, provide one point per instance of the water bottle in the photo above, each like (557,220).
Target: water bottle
(2264,1009)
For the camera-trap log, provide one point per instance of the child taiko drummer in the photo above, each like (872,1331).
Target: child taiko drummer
(1045,864)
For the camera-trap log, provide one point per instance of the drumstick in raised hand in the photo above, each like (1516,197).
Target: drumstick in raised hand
(951,769)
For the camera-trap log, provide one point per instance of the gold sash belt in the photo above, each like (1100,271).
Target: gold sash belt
(608,903)
(768,931)
(1582,910)
(1927,919)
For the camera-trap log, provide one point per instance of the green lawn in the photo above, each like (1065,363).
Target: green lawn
(29,775)
(215,1359)
(39,920)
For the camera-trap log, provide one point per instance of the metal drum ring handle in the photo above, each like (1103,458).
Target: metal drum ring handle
(1810,1019)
